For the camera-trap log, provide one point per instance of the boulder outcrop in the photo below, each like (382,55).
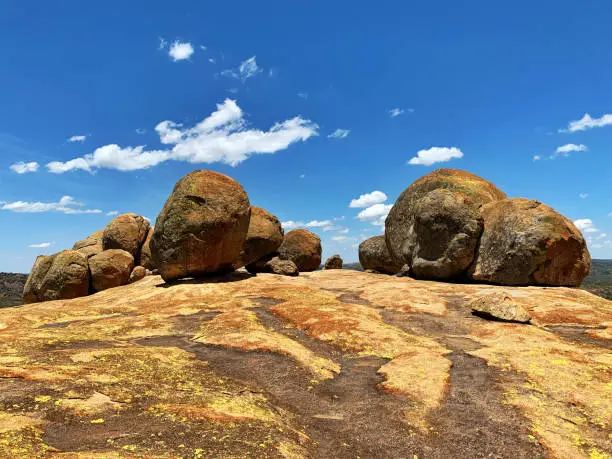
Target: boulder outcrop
(91,245)
(111,268)
(126,232)
(374,255)
(146,259)
(302,247)
(264,237)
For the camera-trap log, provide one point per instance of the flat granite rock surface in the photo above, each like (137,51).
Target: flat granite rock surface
(330,364)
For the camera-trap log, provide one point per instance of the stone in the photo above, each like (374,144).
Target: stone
(434,225)
(302,247)
(62,276)
(126,232)
(146,259)
(282,267)
(202,227)
(138,273)
(374,256)
(91,245)
(111,268)
(499,306)
(525,242)
(264,237)
(333,262)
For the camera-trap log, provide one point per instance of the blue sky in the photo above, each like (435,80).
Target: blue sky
(104,106)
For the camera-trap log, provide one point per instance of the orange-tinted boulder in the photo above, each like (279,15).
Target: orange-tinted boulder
(374,255)
(91,245)
(126,232)
(334,262)
(111,268)
(302,247)
(525,242)
(264,237)
(138,273)
(146,259)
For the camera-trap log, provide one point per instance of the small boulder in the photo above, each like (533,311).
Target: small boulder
(202,227)
(525,242)
(138,273)
(303,248)
(374,256)
(265,235)
(333,262)
(62,276)
(146,259)
(111,268)
(126,232)
(91,245)
(273,264)
(499,306)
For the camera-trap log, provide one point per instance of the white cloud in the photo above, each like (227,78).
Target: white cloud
(211,60)
(179,51)
(339,134)
(585,225)
(339,238)
(112,213)
(77,138)
(311,224)
(140,131)
(436,155)
(24,168)
(369,199)
(565,150)
(247,69)
(42,245)
(66,205)
(583,195)
(586,122)
(376,214)
(303,95)
(537,157)
(221,137)
(395,112)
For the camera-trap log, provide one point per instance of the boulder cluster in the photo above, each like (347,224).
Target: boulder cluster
(206,227)
(454,225)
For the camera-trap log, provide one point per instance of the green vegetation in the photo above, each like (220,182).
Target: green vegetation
(599,281)
(11,289)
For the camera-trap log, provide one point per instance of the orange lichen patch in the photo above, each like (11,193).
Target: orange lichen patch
(567,396)
(241,329)
(605,333)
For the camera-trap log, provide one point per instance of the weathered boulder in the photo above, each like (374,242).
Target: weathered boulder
(334,262)
(126,232)
(91,245)
(138,273)
(374,256)
(111,268)
(202,227)
(525,242)
(499,306)
(434,225)
(273,264)
(62,276)
(146,259)
(303,248)
(265,235)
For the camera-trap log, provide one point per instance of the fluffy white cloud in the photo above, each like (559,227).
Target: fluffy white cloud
(66,205)
(179,51)
(311,224)
(395,112)
(221,137)
(24,168)
(42,245)
(436,155)
(247,69)
(565,150)
(77,138)
(585,225)
(376,214)
(586,122)
(339,134)
(369,199)
(583,195)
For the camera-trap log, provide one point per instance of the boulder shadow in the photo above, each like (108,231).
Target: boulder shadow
(235,276)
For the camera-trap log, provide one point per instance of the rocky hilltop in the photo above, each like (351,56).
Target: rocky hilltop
(333,363)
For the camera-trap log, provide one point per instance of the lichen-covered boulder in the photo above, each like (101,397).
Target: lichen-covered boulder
(334,262)
(111,268)
(202,227)
(499,306)
(138,273)
(434,225)
(62,276)
(302,247)
(265,235)
(374,256)
(91,245)
(126,232)
(146,259)
(525,242)
(274,265)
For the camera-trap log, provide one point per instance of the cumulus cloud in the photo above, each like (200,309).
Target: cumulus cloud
(368,199)
(587,122)
(585,225)
(66,205)
(339,134)
(179,51)
(221,137)
(24,168)
(375,214)
(42,245)
(247,69)
(436,155)
(565,150)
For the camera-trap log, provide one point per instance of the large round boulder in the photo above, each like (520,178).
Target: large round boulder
(62,276)
(126,232)
(333,262)
(146,259)
(202,227)
(91,245)
(111,268)
(265,235)
(525,242)
(374,255)
(435,224)
(303,248)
